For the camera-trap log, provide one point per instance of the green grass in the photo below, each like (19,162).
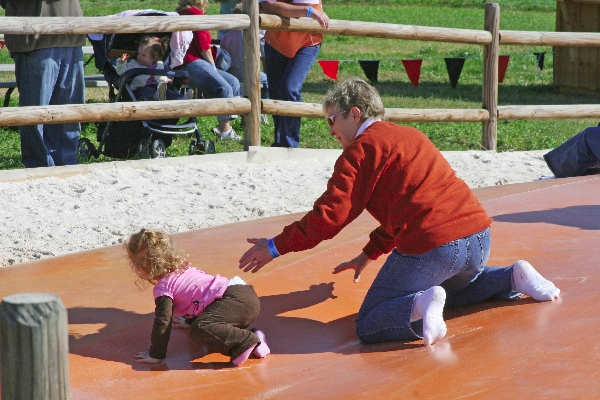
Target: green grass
(524,82)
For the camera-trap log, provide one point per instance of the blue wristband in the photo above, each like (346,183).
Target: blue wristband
(309,11)
(272,248)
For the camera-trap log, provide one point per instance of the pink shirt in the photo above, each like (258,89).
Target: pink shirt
(192,290)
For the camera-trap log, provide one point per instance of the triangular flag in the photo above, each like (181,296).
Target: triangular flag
(454,67)
(502,65)
(540,59)
(370,68)
(2,44)
(413,70)
(330,68)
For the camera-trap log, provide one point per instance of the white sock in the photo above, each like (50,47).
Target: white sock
(526,280)
(429,306)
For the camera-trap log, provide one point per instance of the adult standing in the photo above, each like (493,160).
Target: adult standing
(288,59)
(48,71)
(436,230)
(202,72)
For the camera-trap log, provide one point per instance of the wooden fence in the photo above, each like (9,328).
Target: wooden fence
(491,37)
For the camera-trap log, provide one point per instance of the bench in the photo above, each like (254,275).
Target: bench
(90,81)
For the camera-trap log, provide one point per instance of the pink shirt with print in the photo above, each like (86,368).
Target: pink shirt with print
(192,290)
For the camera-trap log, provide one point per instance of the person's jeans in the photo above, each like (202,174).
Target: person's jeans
(579,155)
(286,77)
(50,77)
(458,266)
(212,83)
(221,326)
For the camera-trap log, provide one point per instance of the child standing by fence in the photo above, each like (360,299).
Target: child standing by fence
(150,52)
(215,309)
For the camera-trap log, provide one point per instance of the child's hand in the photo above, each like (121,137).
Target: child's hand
(124,58)
(144,357)
(179,323)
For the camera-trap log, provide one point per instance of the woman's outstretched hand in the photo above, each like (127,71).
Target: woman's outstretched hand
(358,264)
(144,357)
(256,256)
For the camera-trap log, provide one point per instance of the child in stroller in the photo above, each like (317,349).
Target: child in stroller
(151,51)
(126,139)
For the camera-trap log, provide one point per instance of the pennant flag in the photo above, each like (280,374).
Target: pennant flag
(454,67)
(330,68)
(370,68)
(540,59)
(2,44)
(502,65)
(413,70)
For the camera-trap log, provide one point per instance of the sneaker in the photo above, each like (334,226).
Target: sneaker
(230,135)
(262,350)
(546,177)
(264,119)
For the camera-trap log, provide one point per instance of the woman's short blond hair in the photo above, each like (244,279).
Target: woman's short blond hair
(201,4)
(354,92)
(152,255)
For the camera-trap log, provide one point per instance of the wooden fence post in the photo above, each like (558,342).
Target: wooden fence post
(34,347)
(252,75)
(490,77)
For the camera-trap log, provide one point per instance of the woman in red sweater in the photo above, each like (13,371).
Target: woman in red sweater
(436,230)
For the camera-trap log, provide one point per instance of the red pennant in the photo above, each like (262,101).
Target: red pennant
(2,44)
(502,65)
(413,70)
(330,68)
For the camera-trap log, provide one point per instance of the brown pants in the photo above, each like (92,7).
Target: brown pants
(222,325)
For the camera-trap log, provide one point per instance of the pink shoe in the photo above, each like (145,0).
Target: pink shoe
(239,360)
(262,350)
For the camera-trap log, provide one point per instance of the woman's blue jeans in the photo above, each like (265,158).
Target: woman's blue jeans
(579,155)
(286,77)
(44,77)
(458,266)
(212,83)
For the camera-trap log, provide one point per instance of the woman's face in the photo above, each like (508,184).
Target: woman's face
(343,125)
(145,56)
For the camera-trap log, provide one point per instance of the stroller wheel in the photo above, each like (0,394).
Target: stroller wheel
(85,149)
(193,149)
(159,149)
(209,147)
(144,148)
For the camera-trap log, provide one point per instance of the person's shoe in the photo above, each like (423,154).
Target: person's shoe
(162,91)
(262,350)
(546,177)
(264,119)
(230,135)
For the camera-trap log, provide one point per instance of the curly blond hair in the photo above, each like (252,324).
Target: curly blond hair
(201,4)
(152,255)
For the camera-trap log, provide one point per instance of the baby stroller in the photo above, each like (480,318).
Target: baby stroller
(125,139)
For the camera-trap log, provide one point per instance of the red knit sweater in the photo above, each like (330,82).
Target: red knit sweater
(402,179)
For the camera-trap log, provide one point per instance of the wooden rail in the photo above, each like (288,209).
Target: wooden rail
(491,37)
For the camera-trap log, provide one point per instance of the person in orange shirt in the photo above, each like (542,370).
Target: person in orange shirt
(288,59)
(436,230)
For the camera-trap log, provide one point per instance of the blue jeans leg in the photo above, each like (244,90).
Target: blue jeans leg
(50,77)
(576,155)
(212,83)
(458,266)
(286,77)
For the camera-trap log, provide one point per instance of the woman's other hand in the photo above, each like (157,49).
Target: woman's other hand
(358,264)
(144,357)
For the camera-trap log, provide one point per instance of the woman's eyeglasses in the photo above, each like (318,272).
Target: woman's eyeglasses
(331,118)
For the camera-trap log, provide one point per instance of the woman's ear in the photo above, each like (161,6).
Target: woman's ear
(355,114)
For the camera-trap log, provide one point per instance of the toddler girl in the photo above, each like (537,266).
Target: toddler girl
(151,51)
(215,309)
